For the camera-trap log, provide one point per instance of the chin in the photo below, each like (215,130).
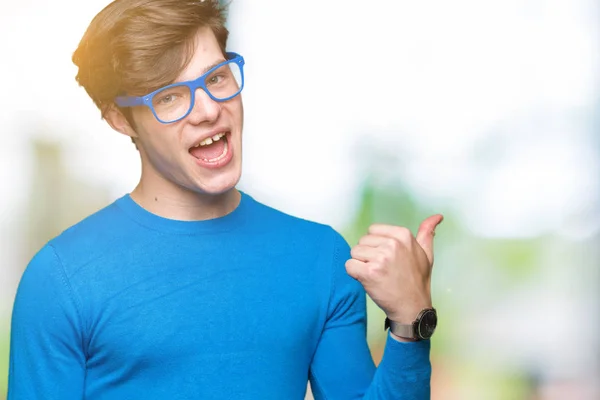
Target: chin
(219,184)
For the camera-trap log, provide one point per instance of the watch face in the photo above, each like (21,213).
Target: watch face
(427,324)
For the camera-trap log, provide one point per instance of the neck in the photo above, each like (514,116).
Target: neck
(185,205)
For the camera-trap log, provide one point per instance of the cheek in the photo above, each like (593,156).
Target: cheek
(236,110)
(143,118)
(240,105)
(160,141)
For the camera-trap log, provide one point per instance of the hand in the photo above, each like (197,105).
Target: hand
(394,267)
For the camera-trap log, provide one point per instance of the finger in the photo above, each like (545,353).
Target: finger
(364,253)
(426,233)
(397,232)
(356,269)
(375,240)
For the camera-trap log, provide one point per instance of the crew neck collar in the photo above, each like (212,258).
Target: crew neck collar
(228,222)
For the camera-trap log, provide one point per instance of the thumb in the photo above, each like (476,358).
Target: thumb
(426,232)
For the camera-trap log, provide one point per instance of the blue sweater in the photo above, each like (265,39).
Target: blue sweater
(252,305)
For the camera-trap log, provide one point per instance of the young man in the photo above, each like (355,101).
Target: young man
(187,288)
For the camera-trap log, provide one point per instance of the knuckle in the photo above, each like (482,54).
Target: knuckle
(373,227)
(403,232)
(374,273)
(393,244)
(381,259)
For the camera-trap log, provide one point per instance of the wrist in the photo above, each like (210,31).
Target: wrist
(401,339)
(409,313)
(421,326)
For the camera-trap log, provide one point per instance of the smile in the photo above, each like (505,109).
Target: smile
(214,151)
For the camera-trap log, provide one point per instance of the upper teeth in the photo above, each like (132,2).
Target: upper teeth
(210,140)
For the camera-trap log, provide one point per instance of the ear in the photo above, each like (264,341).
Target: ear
(118,122)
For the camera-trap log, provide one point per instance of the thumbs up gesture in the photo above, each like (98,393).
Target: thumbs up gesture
(395,268)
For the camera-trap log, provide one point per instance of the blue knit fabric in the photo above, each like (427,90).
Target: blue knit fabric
(252,305)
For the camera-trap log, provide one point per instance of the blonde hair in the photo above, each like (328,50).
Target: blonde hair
(136,46)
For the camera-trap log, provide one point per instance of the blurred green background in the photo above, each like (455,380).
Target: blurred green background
(486,112)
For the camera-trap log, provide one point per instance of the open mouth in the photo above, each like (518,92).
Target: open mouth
(213,149)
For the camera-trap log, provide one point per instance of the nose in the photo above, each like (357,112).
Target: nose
(204,109)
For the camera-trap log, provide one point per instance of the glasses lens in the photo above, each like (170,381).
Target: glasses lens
(225,81)
(172,103)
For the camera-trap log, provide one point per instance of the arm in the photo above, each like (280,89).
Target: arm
(342,367)
(46,348)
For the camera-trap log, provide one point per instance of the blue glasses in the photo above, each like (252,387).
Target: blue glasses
(174,102)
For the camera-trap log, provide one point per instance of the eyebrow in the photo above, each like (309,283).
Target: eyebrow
(204,70)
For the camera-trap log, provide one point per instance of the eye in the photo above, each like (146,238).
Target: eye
(213,80)
(166,99)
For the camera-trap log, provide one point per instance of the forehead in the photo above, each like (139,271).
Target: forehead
(206,53)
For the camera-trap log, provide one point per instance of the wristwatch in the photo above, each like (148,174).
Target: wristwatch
(422,327)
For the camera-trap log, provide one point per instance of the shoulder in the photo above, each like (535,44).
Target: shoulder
(296,228)
(90,236)
(99,224)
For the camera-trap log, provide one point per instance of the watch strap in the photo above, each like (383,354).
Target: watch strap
(406,331)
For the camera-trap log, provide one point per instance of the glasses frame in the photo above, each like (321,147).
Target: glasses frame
(193,85)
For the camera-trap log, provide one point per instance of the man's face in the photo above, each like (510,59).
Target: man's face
(172,157)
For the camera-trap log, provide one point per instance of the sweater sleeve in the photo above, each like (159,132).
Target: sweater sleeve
(342,367)
(47,360)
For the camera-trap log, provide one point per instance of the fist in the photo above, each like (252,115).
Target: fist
(395,267)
